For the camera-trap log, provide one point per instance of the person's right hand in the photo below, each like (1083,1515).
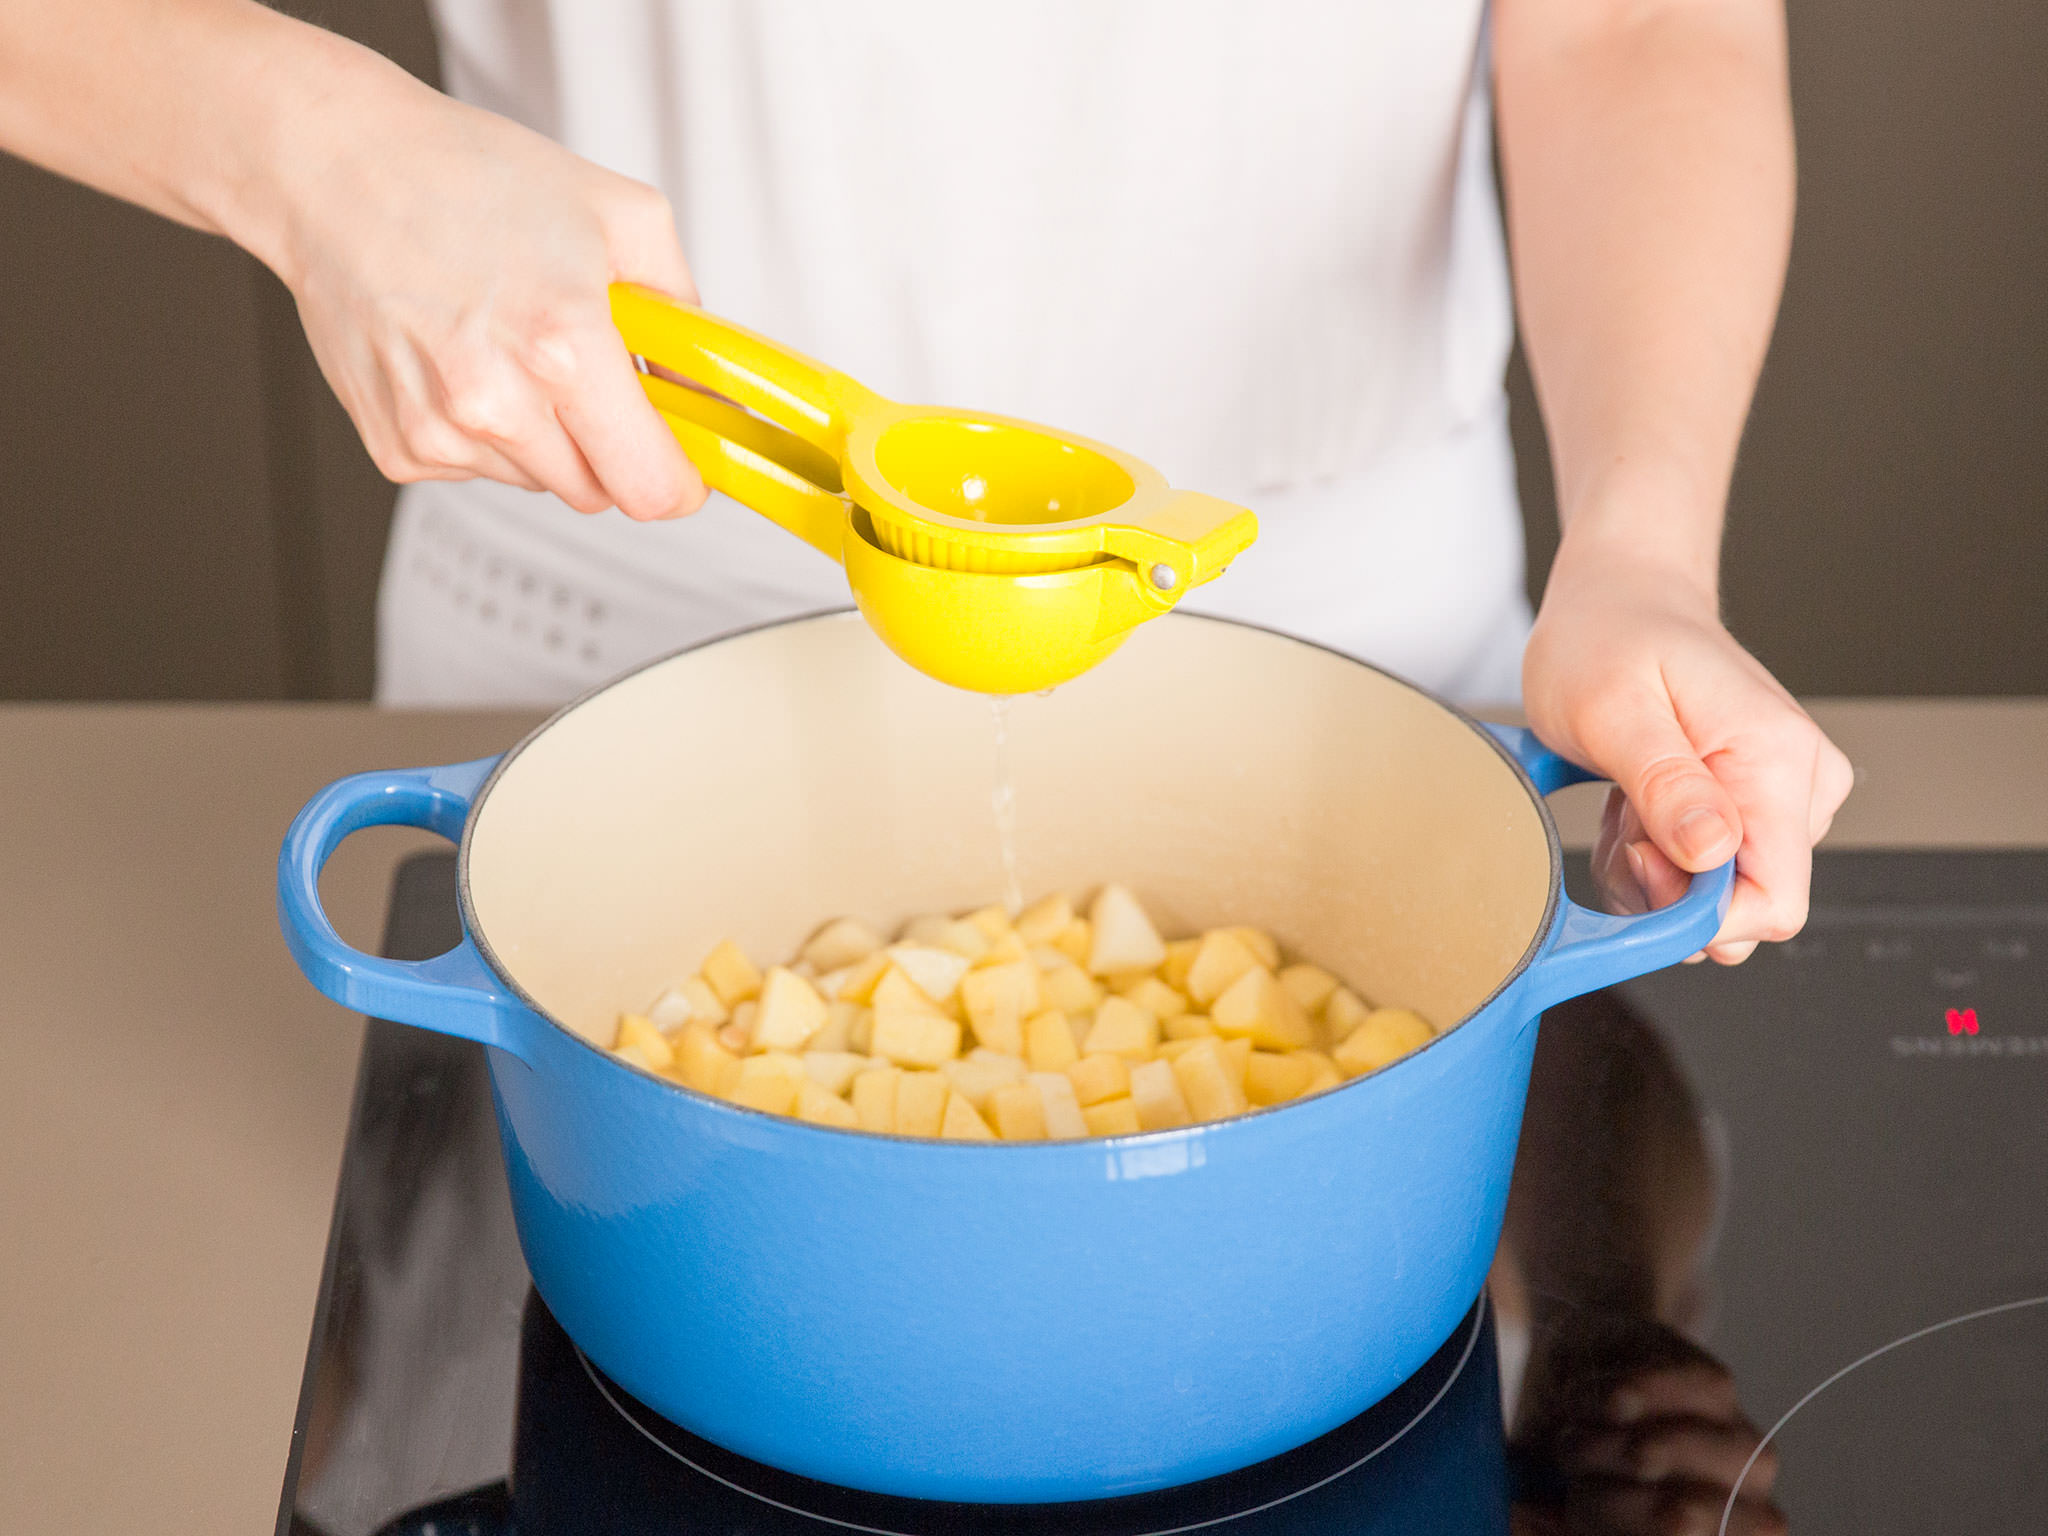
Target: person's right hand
(451,270)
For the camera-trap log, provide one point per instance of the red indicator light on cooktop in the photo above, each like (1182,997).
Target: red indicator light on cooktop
(1962,1021)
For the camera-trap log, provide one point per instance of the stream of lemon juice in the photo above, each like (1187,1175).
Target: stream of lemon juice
(1003,801)
(1003,798)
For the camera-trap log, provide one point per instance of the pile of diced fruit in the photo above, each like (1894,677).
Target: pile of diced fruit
(1043,1026)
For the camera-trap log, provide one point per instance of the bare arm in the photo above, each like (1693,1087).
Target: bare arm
(450,266)
(134,99)
(1647,150)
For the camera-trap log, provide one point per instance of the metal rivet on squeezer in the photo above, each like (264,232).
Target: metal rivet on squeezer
(1165,577)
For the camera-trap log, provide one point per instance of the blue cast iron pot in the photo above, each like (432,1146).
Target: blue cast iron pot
(1003,1323)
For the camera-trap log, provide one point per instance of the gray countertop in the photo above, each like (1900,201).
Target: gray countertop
(174,1094)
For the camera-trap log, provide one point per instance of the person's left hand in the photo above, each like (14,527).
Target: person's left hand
(1630,672)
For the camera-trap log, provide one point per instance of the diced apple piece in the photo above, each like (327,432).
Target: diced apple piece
(731,974)
(706,1008)
(860,1032)
(921,1103)
(965,940)
(1237,1055)
(935,971)
(640,1036)
(981,1072)
(896,990)
(1308,985)
(1324,1073)
(862,978)
(836,1033)
(834,1071)
(1007,1060)
(1049,1041)
(742,1020)
(913,1037)
(1046,958)
(1121,982)
(701,1062)
(1259,1009)
(1001,1031)
(1188,1026)
(874,1099)
(1157,1096)
(1386,1035)
(769,1081)
(841,943)
(928,929)
(993,922)
(1123,1029)
(672,1010)
(1234,1054)
(1004,951)
(1149,992)
(1070,989)
(1123,936)
(1180,959)
(734,1036)
(1344,1012)
(634,1056)
(1207,1082)
(820,1106)
(1221,960)
(1272,1078)
(1113,1117)
(998,999)
(1075,940)
(961,1123)
(1043,921)
(1099,1077)
(788,1012)
(1260,943)
(1063,1119)
(1017,1112)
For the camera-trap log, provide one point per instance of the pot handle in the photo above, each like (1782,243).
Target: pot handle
(453,993)
(1597,949)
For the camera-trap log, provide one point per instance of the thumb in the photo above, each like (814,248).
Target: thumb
(1689,816)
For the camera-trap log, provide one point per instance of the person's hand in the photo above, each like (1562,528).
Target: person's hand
(1630,672)
(451,269)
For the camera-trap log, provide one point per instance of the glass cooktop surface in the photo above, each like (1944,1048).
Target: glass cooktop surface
(1805,1196)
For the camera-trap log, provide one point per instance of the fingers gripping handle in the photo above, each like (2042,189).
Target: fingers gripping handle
(1596,949)
(757,464)
(454,993)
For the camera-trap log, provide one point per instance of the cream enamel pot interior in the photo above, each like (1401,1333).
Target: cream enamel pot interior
(997,1322)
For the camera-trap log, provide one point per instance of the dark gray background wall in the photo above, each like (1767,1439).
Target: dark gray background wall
(184,512)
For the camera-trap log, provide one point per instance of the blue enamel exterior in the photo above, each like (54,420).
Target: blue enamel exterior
(984,1322)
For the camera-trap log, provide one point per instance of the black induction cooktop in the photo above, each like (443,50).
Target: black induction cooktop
(1807,1195)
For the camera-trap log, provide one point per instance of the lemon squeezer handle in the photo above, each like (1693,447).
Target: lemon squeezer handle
(778,455)
(758,465)
(800,395)
(1186,540)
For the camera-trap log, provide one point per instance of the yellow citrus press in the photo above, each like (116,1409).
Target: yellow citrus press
(993,554)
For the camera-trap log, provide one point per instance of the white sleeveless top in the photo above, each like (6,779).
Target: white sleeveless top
(1254,245)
